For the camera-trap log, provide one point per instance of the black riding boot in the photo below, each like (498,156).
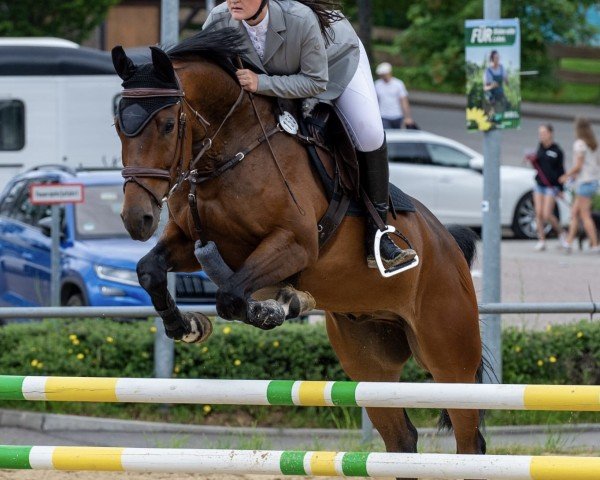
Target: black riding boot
(375,180)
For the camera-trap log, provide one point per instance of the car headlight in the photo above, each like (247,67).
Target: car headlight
(119,275)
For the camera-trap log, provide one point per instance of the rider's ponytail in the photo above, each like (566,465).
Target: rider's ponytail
(328,12)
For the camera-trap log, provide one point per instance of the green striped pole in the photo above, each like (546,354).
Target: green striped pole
(302,393)
(343,464)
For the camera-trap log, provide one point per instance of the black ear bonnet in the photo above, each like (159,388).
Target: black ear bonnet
(133,114)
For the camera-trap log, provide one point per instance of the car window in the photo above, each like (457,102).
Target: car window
(99,216)
(8,203)
(448,156)
(408,152)
(27,212)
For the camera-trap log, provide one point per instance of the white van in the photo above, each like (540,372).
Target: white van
(57,104)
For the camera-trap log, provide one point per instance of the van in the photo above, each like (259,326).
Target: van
(57,105)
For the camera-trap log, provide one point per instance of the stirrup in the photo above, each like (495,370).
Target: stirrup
(389,272)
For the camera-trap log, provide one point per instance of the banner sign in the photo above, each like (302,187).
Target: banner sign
(493,60)
(50,193)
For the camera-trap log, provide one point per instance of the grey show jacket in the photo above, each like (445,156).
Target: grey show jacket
(296,63)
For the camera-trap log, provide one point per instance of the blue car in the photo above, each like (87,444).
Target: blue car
(98,258)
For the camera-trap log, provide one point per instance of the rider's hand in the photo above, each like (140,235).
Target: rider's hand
(248,80)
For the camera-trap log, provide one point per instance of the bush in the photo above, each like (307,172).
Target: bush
(568,354)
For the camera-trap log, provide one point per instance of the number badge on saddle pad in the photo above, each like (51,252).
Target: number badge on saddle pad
(288,123)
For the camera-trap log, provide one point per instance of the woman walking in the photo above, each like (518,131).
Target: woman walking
(586,172)
(548,160)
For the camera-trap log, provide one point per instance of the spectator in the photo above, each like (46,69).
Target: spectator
(392,97)
(548,160)
(586,173)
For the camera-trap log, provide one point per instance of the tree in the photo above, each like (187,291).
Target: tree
(70,19)
(434,42)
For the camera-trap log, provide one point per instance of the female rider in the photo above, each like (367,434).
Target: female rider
(287,43)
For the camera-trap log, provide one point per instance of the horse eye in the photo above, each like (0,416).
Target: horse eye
(169,126)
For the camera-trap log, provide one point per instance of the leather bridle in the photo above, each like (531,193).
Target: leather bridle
(134,174)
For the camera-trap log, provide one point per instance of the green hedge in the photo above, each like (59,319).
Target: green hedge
(560,354)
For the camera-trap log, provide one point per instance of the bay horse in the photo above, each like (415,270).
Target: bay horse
(185,108)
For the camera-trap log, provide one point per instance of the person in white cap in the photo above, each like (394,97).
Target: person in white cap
(392,97)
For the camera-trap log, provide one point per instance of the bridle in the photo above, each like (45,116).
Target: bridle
(133,174)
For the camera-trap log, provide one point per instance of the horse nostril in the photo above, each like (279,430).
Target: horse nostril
(148,220)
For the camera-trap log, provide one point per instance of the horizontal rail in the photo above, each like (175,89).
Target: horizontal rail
(133,312)
(269,462)
(301,393)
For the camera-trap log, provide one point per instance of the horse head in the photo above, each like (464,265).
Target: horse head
(147,124)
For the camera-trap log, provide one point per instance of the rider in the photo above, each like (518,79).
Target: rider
(305,52)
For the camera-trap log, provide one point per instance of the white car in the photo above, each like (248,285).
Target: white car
(446,176)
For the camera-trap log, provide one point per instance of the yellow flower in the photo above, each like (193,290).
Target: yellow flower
(110,339)
(153,329)
(72,337)
(548,327)
(80,356)
(517,349)
(145,355)
(540,363)
(478,116)
(206,409)
(579,334)
(40,365)
(177,369)
(552,359)
(237,362)
(75,341)
(276,343)
(204,349)
(227,330)
(34,362)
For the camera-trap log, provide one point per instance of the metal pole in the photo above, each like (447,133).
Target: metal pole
(164,347)
(492,234)
(55,258)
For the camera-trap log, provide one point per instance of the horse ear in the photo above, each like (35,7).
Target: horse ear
(122,63)
(162,65)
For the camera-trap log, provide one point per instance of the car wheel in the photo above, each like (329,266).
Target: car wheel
(524,224)
(75,300)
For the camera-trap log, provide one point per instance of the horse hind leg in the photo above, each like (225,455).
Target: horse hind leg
(295,303)
(376,351)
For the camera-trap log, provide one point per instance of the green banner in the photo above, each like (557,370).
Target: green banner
(493,68)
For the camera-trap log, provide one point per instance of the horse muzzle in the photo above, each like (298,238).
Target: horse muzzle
(141,219)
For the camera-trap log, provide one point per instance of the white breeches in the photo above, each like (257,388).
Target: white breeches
(359,109)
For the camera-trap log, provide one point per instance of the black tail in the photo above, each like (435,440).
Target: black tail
(466,239)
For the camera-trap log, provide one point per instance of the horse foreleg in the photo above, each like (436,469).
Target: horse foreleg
(152,274)
(276,258)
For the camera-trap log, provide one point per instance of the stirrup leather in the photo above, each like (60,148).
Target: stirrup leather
(389,272)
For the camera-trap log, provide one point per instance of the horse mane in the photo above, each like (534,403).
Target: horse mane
(217,44)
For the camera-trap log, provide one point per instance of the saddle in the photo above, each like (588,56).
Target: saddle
(335,160)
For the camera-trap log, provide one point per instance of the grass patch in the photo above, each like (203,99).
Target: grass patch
(586,65)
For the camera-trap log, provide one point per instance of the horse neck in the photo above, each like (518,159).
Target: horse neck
(212,92)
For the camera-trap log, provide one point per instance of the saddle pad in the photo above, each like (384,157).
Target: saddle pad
(402,202)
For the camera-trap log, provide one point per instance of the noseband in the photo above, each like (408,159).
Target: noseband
(132,174)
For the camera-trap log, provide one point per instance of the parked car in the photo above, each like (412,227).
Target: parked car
(98,258)
(447,177)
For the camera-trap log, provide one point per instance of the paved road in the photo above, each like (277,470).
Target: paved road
(550,276)
(444,114)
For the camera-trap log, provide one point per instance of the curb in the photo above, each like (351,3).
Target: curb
(52,422)
(543,111)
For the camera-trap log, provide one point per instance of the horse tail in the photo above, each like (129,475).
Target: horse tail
(466,239)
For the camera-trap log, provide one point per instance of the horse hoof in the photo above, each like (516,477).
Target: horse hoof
(265,315)
(200,328)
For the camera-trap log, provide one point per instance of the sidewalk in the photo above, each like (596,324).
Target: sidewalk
(31,428)
(546,111)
